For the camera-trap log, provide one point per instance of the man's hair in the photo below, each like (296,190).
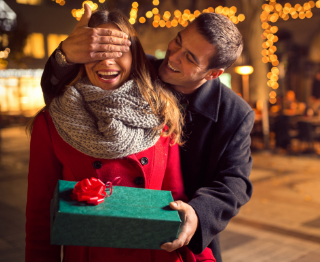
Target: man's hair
(219,31)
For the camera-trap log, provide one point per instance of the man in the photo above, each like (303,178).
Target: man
(215,159)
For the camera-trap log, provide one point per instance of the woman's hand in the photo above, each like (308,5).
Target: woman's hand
(189,226)
(87,44)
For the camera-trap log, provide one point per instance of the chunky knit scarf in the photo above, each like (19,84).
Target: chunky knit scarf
(105,123)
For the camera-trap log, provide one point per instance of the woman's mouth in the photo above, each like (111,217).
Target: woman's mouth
(108,76)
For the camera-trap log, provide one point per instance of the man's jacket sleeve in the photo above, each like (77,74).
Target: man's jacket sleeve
(55,77)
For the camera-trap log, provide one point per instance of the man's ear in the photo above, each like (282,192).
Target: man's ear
(213,73)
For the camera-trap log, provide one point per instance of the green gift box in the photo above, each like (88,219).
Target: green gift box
(129,218)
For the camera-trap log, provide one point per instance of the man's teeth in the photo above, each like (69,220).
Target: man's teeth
(172,68)
(108,73)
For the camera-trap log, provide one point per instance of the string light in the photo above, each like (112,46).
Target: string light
(272,12)
(183,18)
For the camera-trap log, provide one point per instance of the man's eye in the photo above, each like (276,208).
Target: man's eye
(188,57)
(177,41)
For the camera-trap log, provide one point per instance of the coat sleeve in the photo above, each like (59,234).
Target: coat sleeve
(230,189)
(44,172)
(173,176)
(55,77)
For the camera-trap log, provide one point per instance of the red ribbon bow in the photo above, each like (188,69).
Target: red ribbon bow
(92,191)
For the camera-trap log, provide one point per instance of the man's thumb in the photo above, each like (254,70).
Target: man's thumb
(86,16)
(176,205)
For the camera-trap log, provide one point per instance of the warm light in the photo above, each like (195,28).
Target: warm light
(244,70)
(142,20)
(174,23)
(241,17)
(273,100)
(149,14)
(155,11)
(272,94)
(309,14)
(135,5)
(35,46)
(53,41)
(177,13)
(132,20)
(197,13)
(155,2)
(211,9)
(162,23)
(233,9)
(187,11)
(219,9)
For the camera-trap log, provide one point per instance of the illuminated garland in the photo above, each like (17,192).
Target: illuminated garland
(178,17)
(271,13)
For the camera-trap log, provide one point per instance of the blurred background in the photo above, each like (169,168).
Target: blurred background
(278,74)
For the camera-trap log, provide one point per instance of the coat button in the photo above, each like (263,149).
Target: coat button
(139,180)
(144,161)
(97,164)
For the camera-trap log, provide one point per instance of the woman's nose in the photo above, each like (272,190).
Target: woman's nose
(108,62)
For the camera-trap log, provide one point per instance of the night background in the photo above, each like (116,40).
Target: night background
(278,74)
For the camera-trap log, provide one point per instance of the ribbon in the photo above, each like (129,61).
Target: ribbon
(93,191)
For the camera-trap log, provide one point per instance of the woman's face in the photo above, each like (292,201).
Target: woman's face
(110,73)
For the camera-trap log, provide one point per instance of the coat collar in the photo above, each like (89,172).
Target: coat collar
(206,99)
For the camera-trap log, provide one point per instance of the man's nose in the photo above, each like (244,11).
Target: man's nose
(175,56)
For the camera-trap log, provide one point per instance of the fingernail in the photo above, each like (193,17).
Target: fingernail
(125,36)
(129,42)
(126,48)
(119,54)
(174,203)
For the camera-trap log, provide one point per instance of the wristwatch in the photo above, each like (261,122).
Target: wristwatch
(61,58)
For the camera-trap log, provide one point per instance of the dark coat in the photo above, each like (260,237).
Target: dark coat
(51,158)
(215,160)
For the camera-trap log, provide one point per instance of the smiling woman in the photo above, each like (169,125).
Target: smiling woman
(114,119)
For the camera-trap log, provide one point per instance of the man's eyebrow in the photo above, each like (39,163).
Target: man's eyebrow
(193,56)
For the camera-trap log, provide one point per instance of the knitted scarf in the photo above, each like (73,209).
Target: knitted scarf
(105,123)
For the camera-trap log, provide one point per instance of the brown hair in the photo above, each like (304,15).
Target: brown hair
(155,92)
(219,31)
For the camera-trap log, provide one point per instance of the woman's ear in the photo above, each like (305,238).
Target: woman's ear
(213,73)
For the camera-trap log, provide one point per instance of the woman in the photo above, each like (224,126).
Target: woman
(115,119)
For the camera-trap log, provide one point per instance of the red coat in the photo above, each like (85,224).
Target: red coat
(51,159)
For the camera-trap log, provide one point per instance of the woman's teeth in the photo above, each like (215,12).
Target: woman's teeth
(108,75)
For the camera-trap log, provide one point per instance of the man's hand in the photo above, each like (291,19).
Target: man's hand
(87,44)
(189,226)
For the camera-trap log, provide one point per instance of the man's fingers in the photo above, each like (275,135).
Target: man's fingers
(171,246)
(85,17)
(104,55)
(111,48)
(110,32)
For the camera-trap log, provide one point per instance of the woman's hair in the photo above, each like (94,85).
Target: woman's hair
(155,92)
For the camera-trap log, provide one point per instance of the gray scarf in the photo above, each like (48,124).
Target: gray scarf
(105,123)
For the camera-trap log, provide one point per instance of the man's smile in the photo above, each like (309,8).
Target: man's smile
(172,68)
